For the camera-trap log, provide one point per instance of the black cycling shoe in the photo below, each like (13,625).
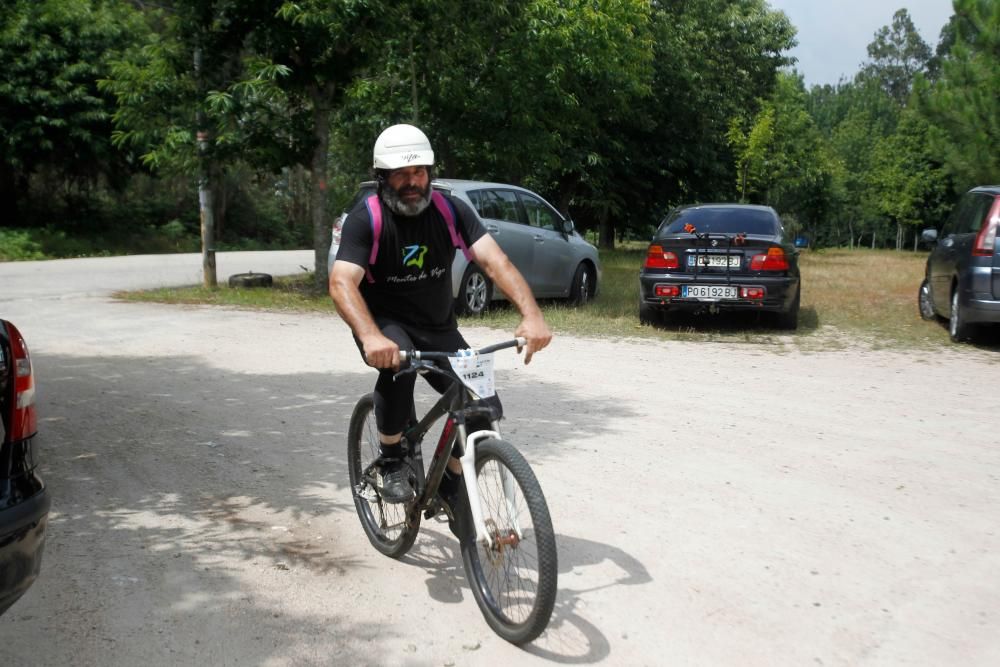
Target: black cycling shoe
(396,481)
(459,513)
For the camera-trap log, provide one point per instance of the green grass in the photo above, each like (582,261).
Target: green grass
(848,296)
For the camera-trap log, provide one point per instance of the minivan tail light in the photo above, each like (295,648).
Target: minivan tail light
(986,239)
(774,260)
(25,422)
(658,258)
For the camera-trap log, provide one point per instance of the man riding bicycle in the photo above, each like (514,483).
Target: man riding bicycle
(392,284)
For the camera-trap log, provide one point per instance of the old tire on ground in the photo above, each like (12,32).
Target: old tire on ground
(251,280)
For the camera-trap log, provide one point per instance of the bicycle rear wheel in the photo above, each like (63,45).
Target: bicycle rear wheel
(514,579)
(384,523)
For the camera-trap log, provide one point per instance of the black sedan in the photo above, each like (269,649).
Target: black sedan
(24,501)
(721,257)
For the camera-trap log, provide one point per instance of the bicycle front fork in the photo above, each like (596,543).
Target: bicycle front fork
(468,461)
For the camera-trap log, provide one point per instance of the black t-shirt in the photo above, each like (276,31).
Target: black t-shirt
(412,272)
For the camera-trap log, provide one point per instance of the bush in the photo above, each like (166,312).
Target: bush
(18,244)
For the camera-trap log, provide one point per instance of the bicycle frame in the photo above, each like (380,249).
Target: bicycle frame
(454,402)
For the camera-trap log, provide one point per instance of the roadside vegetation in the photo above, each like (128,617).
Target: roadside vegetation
(849,297)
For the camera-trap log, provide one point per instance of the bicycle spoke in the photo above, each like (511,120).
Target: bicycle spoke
(510,563)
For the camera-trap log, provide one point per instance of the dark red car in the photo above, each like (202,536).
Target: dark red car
(24,501)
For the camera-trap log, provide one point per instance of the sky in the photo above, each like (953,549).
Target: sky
(834,35)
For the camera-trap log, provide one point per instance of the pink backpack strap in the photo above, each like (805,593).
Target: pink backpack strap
(444,207)
(375,215)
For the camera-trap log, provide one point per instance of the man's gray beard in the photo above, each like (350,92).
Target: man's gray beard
(399,207)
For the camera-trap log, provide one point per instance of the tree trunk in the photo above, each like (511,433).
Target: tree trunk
(220,199)
(607,232)
(321,97)
(205,208)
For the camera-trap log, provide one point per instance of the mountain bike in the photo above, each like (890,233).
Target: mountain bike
(511,564)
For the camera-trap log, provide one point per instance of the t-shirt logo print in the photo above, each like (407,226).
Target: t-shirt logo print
(413,255)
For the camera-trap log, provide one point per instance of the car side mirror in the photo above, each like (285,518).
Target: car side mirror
(929,236)
(567,226)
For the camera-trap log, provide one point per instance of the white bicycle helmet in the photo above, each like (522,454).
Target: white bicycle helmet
(402,146)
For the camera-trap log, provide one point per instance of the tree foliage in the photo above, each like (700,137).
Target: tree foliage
(615,110)
(963,101)
(52,115)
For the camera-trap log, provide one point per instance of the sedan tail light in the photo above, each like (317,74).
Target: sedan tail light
(667,290)
(774,260)
(658,258)
(986,239)
(25,422)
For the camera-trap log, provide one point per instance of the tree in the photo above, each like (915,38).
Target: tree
(963,102)
(784,160)
(527,92)
(52,115)
(910,186)
(897,54)
(271,72)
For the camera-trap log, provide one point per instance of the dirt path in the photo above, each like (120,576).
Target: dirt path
(714,503)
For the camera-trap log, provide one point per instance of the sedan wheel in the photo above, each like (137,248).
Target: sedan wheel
(924,302)
(958,328)
(475,292)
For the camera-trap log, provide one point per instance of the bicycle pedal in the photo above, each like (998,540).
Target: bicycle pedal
(437,512)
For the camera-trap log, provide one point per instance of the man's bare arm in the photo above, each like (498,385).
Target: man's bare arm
(345,277)
(505,275)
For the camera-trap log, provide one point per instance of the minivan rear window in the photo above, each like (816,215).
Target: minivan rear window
(721,220)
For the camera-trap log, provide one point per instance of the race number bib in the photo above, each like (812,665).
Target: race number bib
(476,373)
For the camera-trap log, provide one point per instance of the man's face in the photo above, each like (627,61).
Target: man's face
(409,182)
(409,190)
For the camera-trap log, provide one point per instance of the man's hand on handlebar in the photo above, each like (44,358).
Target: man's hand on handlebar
(380,352)
(537,334)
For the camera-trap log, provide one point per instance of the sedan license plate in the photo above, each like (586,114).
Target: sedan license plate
(710,292)
(719,261)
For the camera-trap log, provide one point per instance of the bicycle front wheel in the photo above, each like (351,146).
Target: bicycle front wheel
(514,578)
(384,523)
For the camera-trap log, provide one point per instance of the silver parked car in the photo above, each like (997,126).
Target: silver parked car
(541,243)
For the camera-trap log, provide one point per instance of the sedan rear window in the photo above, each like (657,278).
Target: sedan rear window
(721,220)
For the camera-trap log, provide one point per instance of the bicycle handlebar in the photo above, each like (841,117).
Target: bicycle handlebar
(406,355)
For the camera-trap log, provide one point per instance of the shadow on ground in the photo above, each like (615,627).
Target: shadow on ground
(185,496)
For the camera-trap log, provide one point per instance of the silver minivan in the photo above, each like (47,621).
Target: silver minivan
(962,277)
(544,246)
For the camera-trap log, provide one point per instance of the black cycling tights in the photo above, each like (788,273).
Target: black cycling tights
(394,398)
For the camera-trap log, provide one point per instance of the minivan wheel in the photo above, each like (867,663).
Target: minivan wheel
(924,302)
(474,293)
(958,328)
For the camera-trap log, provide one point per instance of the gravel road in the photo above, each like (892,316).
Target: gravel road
(714,504)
